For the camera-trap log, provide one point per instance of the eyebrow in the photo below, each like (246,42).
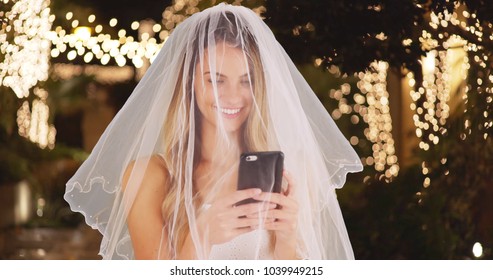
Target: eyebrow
(224,76)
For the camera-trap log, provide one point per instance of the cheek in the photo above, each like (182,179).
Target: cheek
(202,92)
(200,99)
(208,97)
(248,97)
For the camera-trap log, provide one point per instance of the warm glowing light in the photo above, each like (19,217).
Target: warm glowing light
(354,140)
(88,57)
(75,23)
(102,47)
(71,55)
(41,203)
(429,63)
(29,42)
(135,25)
(23,204)
(122,49)
(477,250)
(33,122)
(105,59)
(426,182)
(25,50)
(122,33)
(113,22)
(83,32)
(376,112)
(156,28)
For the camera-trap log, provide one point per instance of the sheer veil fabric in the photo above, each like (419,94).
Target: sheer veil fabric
(221,75)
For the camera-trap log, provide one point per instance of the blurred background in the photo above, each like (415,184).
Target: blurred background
(409,83)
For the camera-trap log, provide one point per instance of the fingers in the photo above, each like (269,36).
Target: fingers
(284,218)
(238,196)
(278,226)
(227,205)
(224,221)
(291,184)
(279,199)
(274,211)
(281,219)
(273,215)
(251,208)
(276,219)
(251,222)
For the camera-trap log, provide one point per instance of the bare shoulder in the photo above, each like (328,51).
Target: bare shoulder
(151,170)
(146,181)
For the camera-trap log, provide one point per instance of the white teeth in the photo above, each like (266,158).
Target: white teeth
(228,111)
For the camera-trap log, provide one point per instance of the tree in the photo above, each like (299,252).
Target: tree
(352,34)
(437,208)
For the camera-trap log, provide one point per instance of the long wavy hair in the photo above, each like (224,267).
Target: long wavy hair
(178,125)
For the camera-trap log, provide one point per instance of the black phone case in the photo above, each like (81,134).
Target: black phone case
(260,170)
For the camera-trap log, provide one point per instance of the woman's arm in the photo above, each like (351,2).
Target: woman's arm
(145,221)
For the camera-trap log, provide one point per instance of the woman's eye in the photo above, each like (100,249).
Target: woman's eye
(245,83)
(219,81)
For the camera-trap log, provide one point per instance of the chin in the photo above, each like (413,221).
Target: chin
(234,125)
(232,128)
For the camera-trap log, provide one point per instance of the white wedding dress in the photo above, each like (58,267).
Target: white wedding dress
(249,246)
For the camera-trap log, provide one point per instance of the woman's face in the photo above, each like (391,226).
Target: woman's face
(234,89)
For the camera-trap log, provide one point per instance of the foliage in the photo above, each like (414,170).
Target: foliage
(352,34)
(404,219)
(46,170)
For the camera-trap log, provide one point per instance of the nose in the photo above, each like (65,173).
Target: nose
(231,93)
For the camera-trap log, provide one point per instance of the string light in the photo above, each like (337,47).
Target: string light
(103,47)
(25,49)
(477,250)
(33,124)
(375,110)
(431,100)
(28,42)
(371,105)
(124,49)
(445,69)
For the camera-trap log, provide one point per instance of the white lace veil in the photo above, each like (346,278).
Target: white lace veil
(162,118)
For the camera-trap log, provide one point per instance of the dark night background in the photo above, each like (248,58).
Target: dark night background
(385,218)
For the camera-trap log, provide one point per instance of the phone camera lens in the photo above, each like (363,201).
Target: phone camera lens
(251,158)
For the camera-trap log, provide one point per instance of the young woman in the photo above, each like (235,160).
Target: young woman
(162,181)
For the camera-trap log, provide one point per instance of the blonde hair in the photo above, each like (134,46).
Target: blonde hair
(177,123)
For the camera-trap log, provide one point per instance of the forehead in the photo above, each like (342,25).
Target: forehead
(224,57)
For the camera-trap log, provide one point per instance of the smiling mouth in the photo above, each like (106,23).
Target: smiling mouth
(228,111)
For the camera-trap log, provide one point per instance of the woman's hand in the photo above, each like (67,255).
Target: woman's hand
(223,220)
(283,220)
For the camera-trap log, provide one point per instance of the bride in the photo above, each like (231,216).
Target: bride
(162,181)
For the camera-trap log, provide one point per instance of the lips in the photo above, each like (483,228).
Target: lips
(229,112)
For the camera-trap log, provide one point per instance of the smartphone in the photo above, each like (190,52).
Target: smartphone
(260,170)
